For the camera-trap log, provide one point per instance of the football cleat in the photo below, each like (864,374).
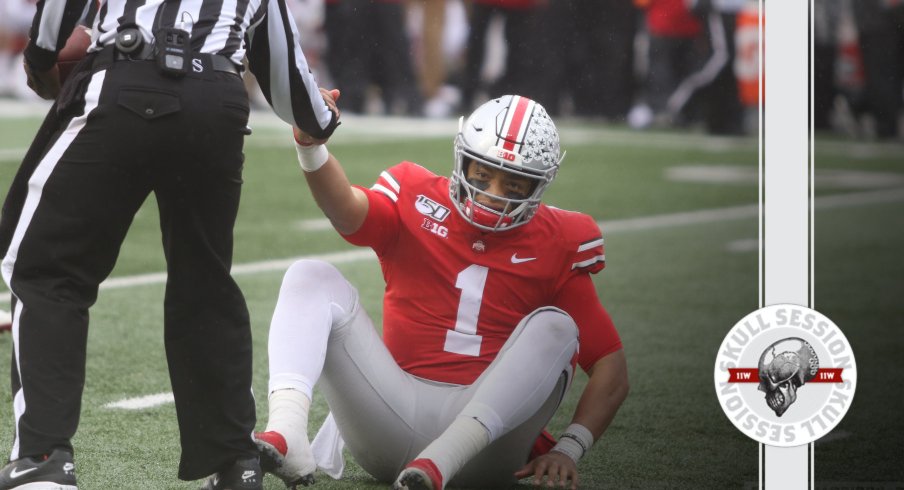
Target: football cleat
(54,472)
(275,459)
(244,474)
(420,474)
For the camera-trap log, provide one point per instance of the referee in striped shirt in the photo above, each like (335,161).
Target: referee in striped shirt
(158,105)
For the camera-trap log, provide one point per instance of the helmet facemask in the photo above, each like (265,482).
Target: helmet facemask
(516,211)
(532,154)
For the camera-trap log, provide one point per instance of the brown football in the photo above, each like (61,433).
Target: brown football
(75,49)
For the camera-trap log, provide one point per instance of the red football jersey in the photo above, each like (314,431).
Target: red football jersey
(454,293)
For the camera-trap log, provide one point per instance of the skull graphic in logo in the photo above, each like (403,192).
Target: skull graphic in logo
(784,367)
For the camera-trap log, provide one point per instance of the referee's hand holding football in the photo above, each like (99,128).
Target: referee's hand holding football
(44,83)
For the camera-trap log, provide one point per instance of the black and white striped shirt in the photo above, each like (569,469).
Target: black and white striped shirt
(262,30)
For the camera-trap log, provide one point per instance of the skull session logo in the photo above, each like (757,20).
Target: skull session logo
(785,375)
(781,374)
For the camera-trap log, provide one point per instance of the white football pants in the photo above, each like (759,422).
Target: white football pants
(387,416)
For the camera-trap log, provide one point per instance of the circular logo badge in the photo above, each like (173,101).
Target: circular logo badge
(785,375)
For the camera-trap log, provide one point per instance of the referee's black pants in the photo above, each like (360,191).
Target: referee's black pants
(120,131)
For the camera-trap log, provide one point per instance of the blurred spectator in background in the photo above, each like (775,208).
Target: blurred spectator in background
(693,63)
(433,66)
(525,68)
(747,66)
(826,21)
(848,80)
(309,18)
(15,20)
(674,51)
(880,24)
(715,82)
(590,53)
(438,30)
(367,46)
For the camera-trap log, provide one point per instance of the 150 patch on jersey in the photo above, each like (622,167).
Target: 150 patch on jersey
(431,208)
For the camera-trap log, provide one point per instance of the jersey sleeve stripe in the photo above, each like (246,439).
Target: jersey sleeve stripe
(592,243)
(391,181)
(385,191)
(588,262)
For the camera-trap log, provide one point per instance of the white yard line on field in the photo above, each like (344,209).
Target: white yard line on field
(743,245)
(747,175)
(12,154)
(318,224)
(678,219)
(615,226)
(243,269)
(642,223)
(142,402)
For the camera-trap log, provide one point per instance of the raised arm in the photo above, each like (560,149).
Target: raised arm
(344,205)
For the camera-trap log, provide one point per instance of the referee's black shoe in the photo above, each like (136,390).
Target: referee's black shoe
(54,472)
(244,474)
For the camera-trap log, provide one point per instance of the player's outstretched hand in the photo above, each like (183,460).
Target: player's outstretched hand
(329,97)
(44,83)
(551,469)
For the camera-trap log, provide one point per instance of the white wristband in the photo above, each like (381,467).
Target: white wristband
(311,157)
(574,442)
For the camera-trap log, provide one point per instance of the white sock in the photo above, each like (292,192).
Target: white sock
(460,442)
(289,416)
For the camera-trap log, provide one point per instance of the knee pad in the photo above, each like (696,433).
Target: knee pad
(554,322)
(308,278)
(312,273)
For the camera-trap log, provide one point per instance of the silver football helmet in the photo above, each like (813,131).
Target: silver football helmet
(512,133)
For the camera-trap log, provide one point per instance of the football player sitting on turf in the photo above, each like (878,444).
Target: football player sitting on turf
(488,305)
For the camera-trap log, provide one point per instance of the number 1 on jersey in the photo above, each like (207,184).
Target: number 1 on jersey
(464,339)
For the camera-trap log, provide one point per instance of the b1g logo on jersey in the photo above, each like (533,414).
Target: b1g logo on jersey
(785,375)
(431,208)
(435,228)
